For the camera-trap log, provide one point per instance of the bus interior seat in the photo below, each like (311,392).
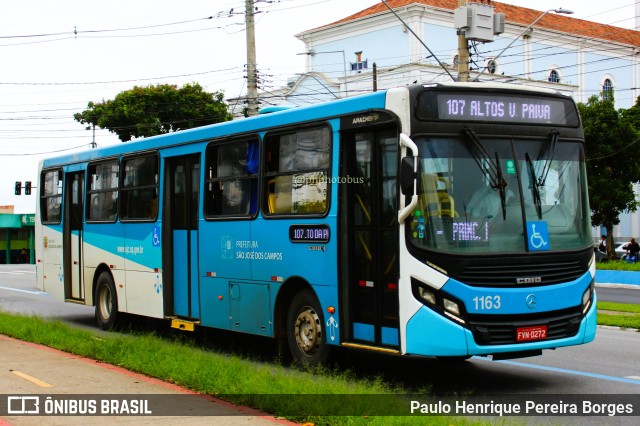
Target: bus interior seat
(279,200)
(434,198)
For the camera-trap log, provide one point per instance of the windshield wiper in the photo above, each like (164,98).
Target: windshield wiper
(491,170)
(502,184)
(547,156)
(535,191)
(537,181)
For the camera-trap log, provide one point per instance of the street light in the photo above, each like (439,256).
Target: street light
(559,10)
(344,64)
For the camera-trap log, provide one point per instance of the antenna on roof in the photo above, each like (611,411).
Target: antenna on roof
(422,42)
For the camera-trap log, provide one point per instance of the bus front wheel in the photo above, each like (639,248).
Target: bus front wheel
(106,300)
(306,330)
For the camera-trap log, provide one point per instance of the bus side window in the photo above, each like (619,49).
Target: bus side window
(232,179)
(297,172)
(102,192)
(139,189)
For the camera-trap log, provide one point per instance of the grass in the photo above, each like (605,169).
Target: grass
(618,265)
(619,307)
(619,315)
(269,387)
(265,386)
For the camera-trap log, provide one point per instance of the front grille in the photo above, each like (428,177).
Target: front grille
(505,275)
(501,329)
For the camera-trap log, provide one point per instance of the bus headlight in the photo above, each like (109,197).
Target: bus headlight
(587,297)
(451,306)
(427,295)
(439,301)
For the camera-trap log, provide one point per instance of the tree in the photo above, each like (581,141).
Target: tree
(613,162)
(154,110)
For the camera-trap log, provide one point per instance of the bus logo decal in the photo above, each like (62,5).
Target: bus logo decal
(365,119)
(227,247)
(531,301)
(529,280)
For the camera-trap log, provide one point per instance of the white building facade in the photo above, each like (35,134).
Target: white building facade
(373,50)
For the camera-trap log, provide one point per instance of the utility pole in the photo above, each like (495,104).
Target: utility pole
(252,72)
(463,51)
(375,77)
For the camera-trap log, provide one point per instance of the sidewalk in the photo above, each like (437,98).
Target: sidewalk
(30,369)
(607,277)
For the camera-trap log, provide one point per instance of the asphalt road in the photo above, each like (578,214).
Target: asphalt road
(608,366)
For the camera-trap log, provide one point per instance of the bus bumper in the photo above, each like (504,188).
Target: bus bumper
(430,334)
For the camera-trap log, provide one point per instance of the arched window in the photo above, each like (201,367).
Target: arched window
(554,77)
(607,89)
(492,66)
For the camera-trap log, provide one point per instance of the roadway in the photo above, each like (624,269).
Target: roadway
(607,366)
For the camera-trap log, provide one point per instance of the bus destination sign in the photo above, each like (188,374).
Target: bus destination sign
(497,107)
(309,233)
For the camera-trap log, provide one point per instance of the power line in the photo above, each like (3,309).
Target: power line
(42,153)
(84,83)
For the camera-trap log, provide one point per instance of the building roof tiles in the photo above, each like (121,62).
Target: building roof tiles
(523,16)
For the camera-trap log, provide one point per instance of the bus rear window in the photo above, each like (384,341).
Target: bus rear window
(51,196)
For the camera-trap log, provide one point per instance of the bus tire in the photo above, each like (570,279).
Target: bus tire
(306,330)
(106,300)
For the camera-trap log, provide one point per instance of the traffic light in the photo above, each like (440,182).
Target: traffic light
(27,188)
(18,188)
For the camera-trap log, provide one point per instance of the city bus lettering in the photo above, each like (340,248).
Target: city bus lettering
(536,111)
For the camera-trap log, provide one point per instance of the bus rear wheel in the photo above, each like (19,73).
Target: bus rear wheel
(106,300)
(306,331)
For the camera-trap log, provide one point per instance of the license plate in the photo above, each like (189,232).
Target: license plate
(525,334)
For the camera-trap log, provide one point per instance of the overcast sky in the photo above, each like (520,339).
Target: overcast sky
(58,55)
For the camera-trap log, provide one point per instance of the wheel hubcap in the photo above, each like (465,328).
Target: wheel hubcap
(308,331)
(105,302)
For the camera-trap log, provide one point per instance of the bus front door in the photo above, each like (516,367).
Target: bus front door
(181,206)
(72,237)
(370,247)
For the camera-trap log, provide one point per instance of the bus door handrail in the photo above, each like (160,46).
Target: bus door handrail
(406,211)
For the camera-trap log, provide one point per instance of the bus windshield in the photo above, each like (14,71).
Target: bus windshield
(481,194)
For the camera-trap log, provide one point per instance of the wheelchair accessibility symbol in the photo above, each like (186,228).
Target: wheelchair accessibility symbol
(538,236)
(156,237)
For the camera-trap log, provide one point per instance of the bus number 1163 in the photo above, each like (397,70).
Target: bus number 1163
(487,303)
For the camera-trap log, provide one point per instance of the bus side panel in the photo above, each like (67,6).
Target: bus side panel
(328,296)
(248,312)
(101,243)
(225,250)
(142,250)
(51,256)
(214,295)
(225,254)
(275,257)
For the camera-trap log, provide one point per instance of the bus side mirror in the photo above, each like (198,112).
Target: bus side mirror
(408,175)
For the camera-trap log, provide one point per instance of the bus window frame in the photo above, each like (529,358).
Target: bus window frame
(267,176)
(89,192)
(59,195)
(122,189)
(205,192)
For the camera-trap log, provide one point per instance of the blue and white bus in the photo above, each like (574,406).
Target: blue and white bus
(445,220)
